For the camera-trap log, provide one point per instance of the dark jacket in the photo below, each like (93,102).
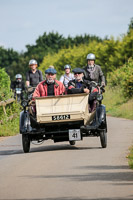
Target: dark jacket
(34,78)
(15,84)
(73,87)
(94,75)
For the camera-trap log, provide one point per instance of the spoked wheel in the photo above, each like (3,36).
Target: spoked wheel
(72,142)
(26,143)
(103,138)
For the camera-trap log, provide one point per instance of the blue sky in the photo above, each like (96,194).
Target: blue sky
(23,21)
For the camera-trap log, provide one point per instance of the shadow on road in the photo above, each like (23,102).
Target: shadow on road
(60,148)
(44,149)
(10,152)
(104,167)
(109,175)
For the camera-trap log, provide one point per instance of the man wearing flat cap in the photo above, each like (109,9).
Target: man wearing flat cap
(81,85)
(50,86)
(78,85)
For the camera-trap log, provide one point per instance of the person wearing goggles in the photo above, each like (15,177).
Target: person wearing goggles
(78,85)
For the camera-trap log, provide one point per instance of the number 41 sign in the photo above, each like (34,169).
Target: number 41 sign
(74,134)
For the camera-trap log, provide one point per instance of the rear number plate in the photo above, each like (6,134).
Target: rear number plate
(74,134)
(60,117)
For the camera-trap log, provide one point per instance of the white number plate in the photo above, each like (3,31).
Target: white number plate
(18,92)
(74,134)
(60,117)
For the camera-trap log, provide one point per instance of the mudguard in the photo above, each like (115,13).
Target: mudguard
(24,122)
(101,116)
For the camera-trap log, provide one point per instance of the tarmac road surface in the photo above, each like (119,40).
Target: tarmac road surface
(58,171)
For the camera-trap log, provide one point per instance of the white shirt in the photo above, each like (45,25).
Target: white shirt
(65,79)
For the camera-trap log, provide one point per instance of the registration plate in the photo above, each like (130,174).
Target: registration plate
(18,92)
(74,134)
(60,117)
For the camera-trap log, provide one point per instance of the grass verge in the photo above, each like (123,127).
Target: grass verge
(130,157)
(116,104)
(10,128)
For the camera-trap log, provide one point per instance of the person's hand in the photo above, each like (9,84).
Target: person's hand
(87,91)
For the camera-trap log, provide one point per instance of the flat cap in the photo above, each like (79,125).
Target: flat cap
(50,71)
(78,70)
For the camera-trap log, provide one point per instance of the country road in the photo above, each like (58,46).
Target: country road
(58,171)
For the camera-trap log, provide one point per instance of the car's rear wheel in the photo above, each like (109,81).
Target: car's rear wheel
(103,138)
(72,142)
(26,143)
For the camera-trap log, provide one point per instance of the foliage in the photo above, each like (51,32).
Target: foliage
(11,129)
(123,77)
(130,157)
(116,104)
(4,85)
(51,43)
(110,54)
(20,67)
(11,109)
(130,27)
(9,126)
(7,57)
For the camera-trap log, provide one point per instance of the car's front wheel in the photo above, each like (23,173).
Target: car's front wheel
(26,143)
(103,138)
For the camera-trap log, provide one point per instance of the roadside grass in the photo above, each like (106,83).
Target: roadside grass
(116,104)
(130,157)
(10,128)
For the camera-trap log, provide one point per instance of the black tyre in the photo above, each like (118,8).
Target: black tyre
(72,142)
(25,143)
(103,138)
(18,98)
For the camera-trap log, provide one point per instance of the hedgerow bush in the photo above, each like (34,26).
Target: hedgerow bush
(110,54)
(8,126)
(5,82)
(123,77)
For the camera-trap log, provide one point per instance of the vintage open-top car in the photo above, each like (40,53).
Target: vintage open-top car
(62,118)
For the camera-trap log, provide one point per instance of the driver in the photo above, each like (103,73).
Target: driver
(33,76)
(50,86)
(93,72)
(18,83)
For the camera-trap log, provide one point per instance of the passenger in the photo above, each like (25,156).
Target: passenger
(33,76)
(50,86)
(78,85)
(18,84)
(67,76)
(93,72)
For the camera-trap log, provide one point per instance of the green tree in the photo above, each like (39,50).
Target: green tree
(4,85)
(53,42)
(130,27)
